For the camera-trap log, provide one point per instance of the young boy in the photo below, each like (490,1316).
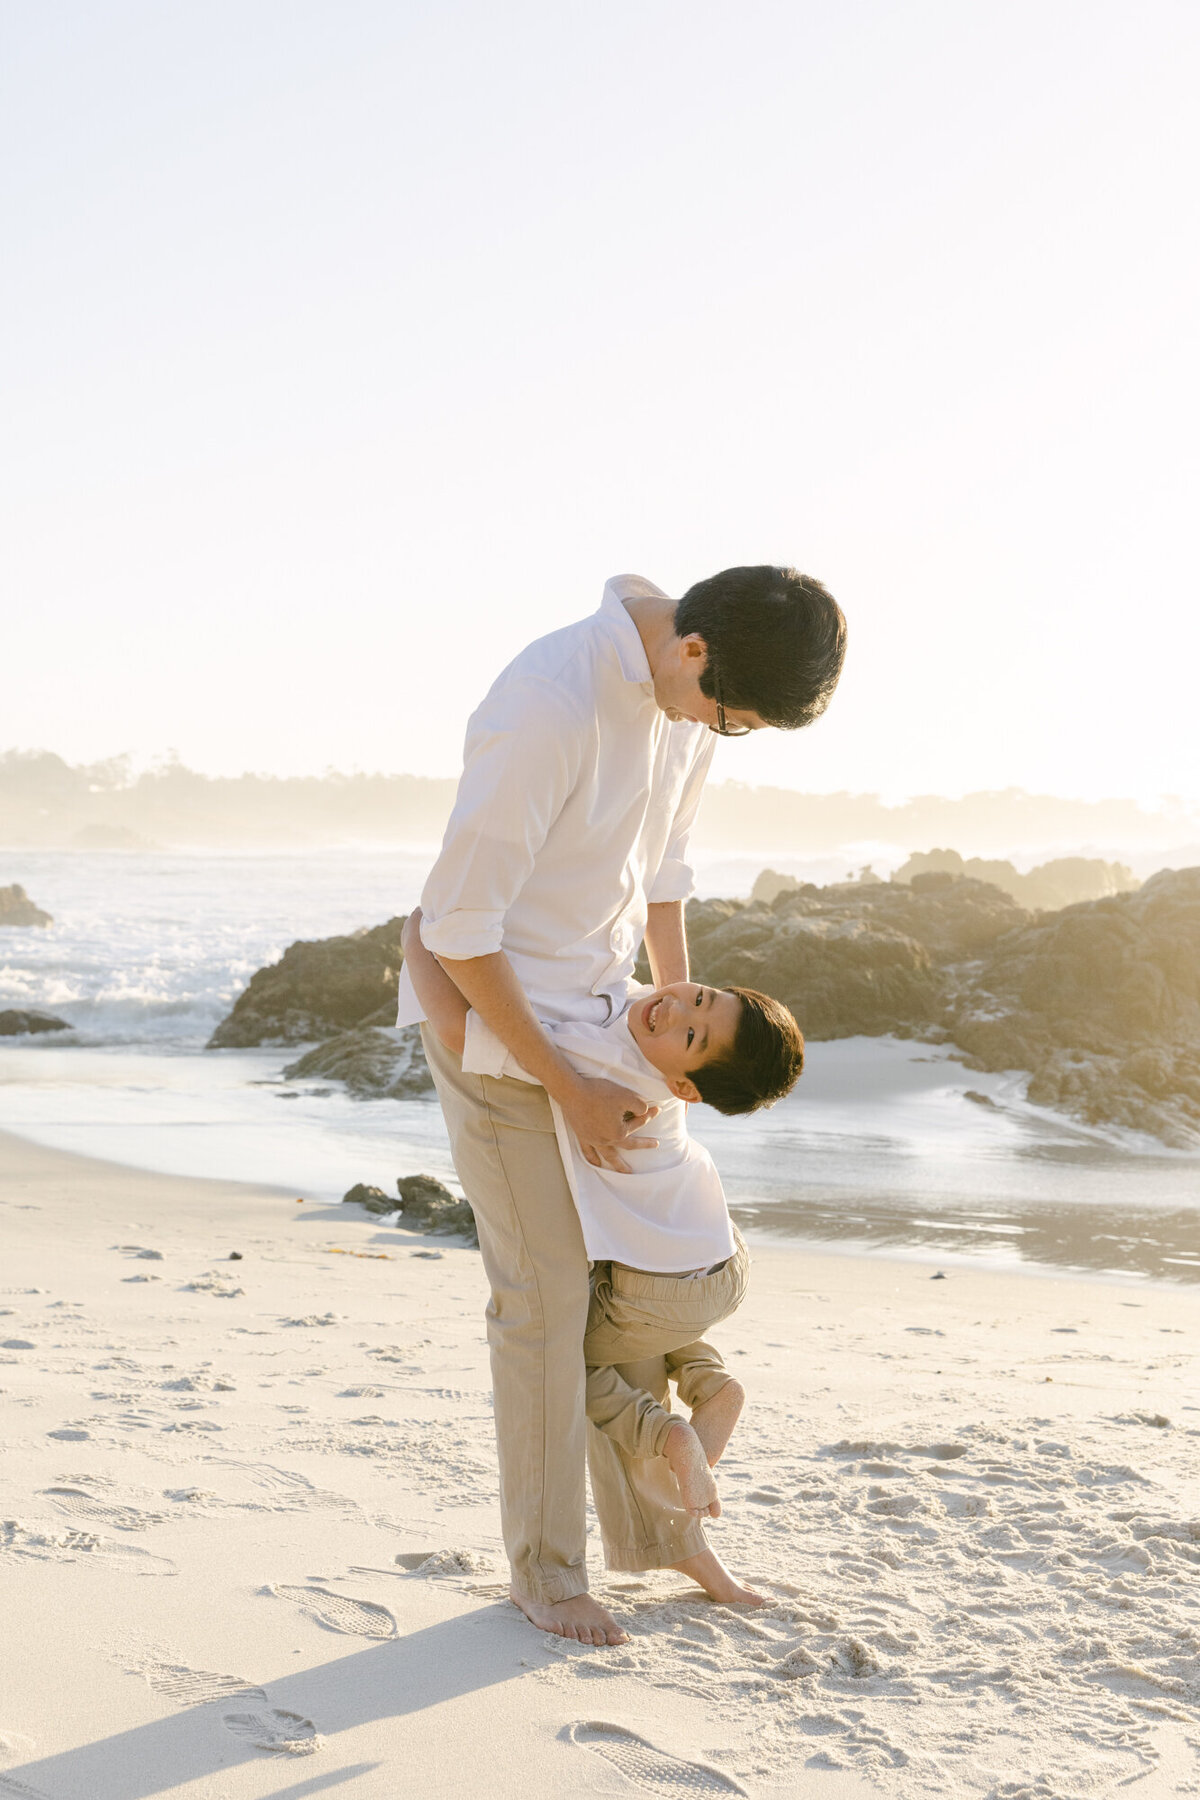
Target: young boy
(667,1261)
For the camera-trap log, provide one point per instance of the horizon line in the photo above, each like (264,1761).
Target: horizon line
(138,767)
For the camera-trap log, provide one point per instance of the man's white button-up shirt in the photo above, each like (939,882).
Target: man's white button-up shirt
(573,814)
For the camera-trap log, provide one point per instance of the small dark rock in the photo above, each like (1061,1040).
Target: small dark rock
(426,1204)
(373,1198)
(978,1098)
(16,908)
(23,1022)
(940,1276)
(235,1256)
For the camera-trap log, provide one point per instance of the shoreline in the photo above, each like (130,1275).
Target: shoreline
(881,1152)
(970,1503)
(757,1222)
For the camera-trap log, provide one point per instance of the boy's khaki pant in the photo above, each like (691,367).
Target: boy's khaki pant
(507,1158)
(637,1318)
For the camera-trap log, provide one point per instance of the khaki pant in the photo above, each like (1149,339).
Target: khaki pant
(637,1318)
(507,1158)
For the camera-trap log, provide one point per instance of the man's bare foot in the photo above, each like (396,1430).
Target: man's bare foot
(689,1465)
(582,1619)
(714,1420)
(708,1569)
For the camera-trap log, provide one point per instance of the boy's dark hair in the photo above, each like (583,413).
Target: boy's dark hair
(764,1064)
(777,639)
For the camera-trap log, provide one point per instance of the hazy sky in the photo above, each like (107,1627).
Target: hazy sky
(349,344)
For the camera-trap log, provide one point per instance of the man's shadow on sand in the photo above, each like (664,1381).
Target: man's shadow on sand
(390,1680)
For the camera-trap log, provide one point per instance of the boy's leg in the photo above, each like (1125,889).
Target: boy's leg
(507,1157)
(635,1320)
(629,1416)
(643,1522)
(705,1385)
(698,1371)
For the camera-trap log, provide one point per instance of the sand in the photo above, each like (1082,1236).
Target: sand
(250,1543)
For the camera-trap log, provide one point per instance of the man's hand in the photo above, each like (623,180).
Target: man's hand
(603,1115)
(600,1113)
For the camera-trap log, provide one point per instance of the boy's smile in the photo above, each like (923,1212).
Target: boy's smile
(682,1027)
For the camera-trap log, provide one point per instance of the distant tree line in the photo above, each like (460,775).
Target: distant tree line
(46,802)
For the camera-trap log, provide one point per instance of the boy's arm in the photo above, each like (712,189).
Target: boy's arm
(445,1007)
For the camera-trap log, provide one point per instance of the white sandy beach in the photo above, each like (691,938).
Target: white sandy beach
(251,1544)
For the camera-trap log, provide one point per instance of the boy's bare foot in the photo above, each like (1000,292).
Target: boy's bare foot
(708,1569)
(714,1420)
(689,1465)
(582,1619)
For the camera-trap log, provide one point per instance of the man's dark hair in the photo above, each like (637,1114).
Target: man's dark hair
(776,637)
(764,1063)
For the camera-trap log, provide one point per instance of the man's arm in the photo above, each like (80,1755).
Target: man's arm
(445,1007)
(666,936)
(600,1113)
(666,942)
(523,753)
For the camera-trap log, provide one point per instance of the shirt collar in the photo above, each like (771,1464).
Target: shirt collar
(631,652)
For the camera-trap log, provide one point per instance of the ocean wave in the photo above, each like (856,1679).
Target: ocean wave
(155,949)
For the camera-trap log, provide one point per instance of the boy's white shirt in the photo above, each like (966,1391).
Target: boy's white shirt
(668,1215)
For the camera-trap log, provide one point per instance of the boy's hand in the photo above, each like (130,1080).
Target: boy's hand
(603,1115)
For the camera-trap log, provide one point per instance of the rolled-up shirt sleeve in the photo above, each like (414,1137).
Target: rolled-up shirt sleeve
(484,1054)
(675,879)
(520,763)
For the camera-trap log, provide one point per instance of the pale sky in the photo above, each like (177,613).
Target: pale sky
(348,345)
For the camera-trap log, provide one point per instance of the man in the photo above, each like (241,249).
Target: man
(567,846)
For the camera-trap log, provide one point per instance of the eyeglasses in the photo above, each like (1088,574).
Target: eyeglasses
(721,728)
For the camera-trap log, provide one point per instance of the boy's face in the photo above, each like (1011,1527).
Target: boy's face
(682,1027)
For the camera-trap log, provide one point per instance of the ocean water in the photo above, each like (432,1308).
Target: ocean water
(886,1146)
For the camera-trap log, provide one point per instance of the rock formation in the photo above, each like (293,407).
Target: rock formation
(28,1022)
(1049,887)
(1100,1001)
(854,958)
(16,908)
(424,1204)
(317,989)
(373,1064)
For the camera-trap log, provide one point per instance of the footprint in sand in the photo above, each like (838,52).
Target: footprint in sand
(338,1612)
(13,1745)
(655,1771)
(84,1506)
(267,1727)
(447,1562)
(18,1539)
(196,1687)
(19,1790)
(284,1733)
